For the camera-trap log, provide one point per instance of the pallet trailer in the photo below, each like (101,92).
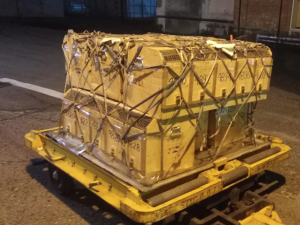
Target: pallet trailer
(131,202)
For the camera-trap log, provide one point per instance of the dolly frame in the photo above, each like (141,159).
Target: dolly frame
(128,199)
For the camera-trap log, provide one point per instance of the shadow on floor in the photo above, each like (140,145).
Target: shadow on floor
(96,211)
(86,204)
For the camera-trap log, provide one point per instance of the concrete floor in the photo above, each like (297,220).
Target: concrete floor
(34,55)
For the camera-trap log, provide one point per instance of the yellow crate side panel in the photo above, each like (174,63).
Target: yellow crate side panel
(223,83)
(121,150)
(244,79)
(95,123)
(172,99)
(170,147)
(263,73)
(206,73)
(69,119)
(109,140)
(113,84)
(143,84)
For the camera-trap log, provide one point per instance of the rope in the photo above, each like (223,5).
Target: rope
(189,49)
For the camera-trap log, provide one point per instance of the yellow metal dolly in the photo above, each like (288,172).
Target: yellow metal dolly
(130,201)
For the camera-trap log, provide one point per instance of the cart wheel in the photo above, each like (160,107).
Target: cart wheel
(62,182)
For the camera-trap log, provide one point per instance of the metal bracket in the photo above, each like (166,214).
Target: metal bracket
(53,159)
(93,184)
(175,132)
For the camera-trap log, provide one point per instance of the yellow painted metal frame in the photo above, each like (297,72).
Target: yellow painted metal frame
(266,216)
(128,199)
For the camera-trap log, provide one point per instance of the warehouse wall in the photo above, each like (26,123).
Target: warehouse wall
(216,9)
(31,8)
(207,9)
(105,8)
(263,16)
(182,8)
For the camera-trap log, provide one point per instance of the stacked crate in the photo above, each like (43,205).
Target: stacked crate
(156,104)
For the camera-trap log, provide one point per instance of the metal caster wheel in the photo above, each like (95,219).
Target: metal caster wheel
(62,182)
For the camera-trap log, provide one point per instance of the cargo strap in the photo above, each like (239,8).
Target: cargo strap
(91,47)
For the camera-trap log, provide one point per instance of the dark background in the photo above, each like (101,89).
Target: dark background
(30,51)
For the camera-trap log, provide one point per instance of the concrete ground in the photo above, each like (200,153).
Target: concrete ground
(34,55)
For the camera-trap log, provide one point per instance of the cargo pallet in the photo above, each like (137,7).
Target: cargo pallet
(132,203)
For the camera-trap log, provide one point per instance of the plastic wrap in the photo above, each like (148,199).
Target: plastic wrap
(154,106)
